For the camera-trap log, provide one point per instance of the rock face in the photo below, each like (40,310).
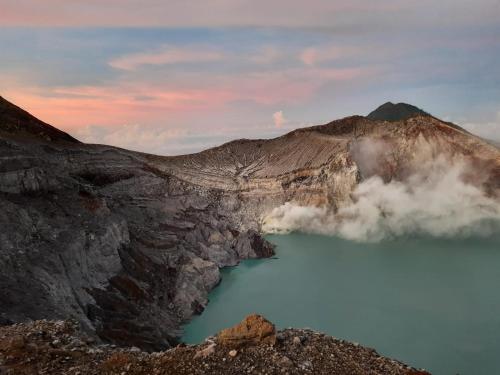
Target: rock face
(101,235)
(253,330)
(130,244)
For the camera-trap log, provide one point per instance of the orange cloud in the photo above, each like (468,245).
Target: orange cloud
(77,107)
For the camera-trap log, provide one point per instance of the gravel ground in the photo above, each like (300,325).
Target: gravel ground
(48,347)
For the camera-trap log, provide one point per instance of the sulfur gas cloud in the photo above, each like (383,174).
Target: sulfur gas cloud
(437,200)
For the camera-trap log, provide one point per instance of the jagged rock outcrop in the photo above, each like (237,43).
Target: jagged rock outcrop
(130,244)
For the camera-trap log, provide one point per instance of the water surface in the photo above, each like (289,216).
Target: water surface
(432,303)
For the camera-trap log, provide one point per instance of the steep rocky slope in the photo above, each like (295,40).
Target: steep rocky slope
(130,244)
(16,121)
(100,235)
(43,347)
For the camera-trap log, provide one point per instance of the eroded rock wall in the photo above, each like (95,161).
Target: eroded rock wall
(131,244)
(99,235)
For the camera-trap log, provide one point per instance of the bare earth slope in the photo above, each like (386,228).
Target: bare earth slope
(130,244)
(323,164)
(43,347)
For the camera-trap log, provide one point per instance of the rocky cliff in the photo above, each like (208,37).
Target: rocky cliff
(130,244)
(103,236)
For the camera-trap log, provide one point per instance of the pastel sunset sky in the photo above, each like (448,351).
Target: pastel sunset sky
(173,77)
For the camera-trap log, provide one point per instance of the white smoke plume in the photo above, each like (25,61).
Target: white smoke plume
(439,201)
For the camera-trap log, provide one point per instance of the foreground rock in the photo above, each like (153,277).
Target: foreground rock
(253,330)
(45,347)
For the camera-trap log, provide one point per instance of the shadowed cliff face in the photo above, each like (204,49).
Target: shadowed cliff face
(101,235)
(130,244)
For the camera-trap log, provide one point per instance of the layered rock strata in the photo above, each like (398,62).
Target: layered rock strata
(130,244)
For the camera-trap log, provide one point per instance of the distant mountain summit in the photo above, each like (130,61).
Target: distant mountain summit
(16,120)
(395,112)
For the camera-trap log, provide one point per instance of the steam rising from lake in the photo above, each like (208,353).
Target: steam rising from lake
(437,200)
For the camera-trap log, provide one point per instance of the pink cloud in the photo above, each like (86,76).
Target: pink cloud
(291,86)
(113,106)
(152,102)
(279,119)
(165,55)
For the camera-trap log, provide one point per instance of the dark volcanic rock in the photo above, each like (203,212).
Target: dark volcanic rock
(395,112)
(97,234)
(251,245)
(401,112)
(131,258)
(15,120)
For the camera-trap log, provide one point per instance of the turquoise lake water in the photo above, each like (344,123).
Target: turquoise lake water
(432,303)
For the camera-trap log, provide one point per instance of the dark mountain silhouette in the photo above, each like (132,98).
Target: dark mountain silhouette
(402,111)
(16,120)
(396,112)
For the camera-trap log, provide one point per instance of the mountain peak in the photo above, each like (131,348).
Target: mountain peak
(15,120)
(395,112)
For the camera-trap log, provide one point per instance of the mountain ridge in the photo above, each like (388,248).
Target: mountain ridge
(130,244)
(15,120)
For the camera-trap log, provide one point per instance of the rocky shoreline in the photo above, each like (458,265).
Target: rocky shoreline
(251,347)
(102,236)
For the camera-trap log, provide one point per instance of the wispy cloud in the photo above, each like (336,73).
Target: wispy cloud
(315,55)
(164,56)
(131,136)
(266,55)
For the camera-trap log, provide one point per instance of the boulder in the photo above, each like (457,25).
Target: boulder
(253,330)
(205,352)
(250,245)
